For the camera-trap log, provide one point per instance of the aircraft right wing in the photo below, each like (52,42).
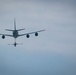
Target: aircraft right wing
(31,32)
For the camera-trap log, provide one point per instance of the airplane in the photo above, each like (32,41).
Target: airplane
(15,33)
(15,44)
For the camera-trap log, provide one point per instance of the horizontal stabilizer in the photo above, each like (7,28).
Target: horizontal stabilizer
(9,30)
(21,29)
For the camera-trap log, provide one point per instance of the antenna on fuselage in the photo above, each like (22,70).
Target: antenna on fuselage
(14,23)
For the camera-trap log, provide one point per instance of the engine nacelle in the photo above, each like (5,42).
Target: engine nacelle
(27,35)
(36,34)
(3,36)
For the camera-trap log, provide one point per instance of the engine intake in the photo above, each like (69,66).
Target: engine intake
(27,35)
(3,36)
(36,34)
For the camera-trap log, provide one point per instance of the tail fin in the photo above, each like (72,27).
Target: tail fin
(14,24)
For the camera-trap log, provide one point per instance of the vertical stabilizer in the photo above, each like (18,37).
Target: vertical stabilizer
(14,24)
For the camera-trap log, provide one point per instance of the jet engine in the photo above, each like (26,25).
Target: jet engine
(3,36)
(36,34)
(27,35)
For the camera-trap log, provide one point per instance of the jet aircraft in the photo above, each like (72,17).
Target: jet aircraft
(15,33)
(15,43)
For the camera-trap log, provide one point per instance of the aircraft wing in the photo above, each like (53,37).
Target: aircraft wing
(31,33)
(7,35)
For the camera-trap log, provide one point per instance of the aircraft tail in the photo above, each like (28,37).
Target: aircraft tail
(14,24)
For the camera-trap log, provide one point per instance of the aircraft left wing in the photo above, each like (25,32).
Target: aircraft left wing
(31,32)
(7,35)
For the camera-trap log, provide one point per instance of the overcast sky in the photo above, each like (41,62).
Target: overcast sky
(53,52)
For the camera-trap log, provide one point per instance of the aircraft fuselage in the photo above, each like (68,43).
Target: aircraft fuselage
(15,34)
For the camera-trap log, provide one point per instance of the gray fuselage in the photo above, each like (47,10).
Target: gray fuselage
(15,34)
